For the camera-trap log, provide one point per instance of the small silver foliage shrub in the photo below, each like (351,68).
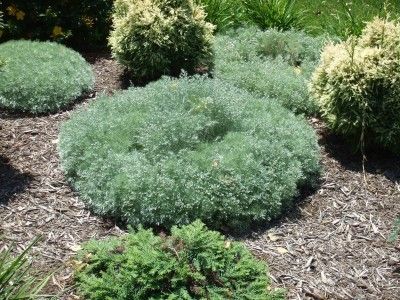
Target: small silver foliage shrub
(160,37)
(40,77)
(270,63)
(186,149)
(357,85)
(191,263)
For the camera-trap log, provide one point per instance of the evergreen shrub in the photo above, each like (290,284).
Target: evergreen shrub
(357,85)
(193,148)
(191,263)
(158,37)
(270,63)
(41,77)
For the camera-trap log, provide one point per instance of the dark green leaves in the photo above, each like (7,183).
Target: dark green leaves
(191,263)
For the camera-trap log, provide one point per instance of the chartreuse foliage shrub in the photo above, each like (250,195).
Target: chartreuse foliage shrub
(270,63)
(41,77)
(191,263)
(357,85)
(180,150)
(158,37)
(82,23)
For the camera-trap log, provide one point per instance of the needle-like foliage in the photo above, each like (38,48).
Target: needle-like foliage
(192,263)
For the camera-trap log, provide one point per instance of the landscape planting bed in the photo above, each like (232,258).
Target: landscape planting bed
(333,246)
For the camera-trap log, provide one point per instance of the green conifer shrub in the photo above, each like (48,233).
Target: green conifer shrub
(191,263)
(158,37)
(357,85)
(193,148)
(41,77)
(270,63)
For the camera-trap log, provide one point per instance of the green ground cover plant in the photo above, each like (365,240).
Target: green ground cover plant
(191,263)
(41,77)
(357,86)
(193,148)
(270,63)
(155,38)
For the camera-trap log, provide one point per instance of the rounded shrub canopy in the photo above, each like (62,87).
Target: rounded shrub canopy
(357,85)
(41,77)
(191,263)
(270,63)
(158,37)
(178,150)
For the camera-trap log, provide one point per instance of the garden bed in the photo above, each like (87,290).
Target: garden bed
(333,246)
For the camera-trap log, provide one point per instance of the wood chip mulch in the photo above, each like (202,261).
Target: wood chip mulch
(334,245)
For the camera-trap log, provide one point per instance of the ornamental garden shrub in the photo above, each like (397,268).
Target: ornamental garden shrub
(81,23)
(270,63)
(193,148)
(191,263)
(357,85)
(41,77)
(157,37)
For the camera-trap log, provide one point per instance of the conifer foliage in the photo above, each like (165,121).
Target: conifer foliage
(191,263)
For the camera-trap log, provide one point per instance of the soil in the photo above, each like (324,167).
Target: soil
(333,245)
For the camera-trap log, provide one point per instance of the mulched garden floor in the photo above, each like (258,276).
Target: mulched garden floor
(333,245)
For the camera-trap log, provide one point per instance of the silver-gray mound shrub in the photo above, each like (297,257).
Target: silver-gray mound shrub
(40,77)
(186,149)
(270,63)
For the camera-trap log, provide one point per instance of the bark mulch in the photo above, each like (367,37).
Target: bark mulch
(334,245)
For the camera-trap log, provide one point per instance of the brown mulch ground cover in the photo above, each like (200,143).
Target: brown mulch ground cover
(332,246)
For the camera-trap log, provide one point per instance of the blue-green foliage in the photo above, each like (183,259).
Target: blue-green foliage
(178,150)
(270,63)
(41,77)
(192,263)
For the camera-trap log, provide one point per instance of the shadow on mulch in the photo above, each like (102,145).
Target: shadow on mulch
(123,78)
(16,114)
(292,213)
(12,182)
(378,161)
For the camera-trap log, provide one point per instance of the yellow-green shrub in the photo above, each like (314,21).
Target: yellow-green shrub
(155,37)
(357,85)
